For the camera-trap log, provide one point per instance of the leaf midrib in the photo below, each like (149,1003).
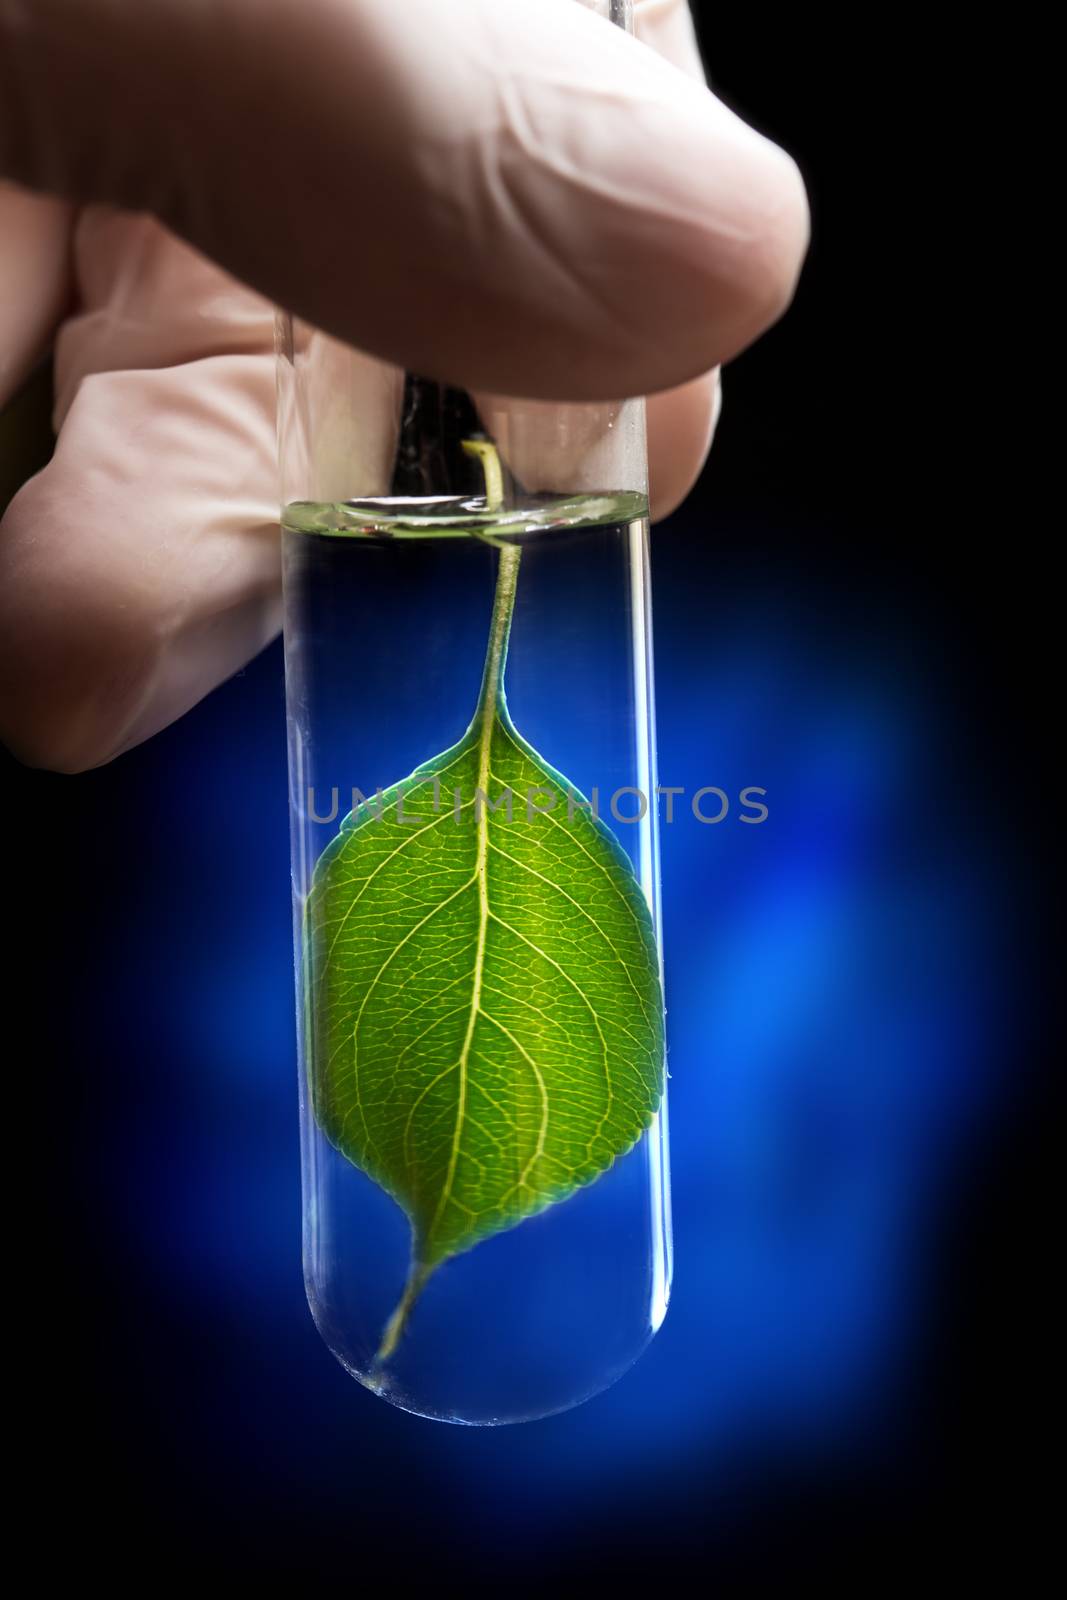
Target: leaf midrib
(487,711)
(486,717)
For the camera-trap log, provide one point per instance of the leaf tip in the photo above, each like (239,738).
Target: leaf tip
(396,1327)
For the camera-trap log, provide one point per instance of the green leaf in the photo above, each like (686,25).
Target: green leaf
(484,1015)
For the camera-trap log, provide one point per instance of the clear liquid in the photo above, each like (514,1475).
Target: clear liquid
(388,606)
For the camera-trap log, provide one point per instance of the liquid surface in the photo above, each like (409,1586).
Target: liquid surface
(457,516)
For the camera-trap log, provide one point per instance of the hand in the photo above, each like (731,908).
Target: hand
(526,201)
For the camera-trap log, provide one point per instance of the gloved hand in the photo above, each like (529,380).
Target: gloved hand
(513,197)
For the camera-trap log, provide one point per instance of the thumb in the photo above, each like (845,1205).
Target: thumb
(511,197)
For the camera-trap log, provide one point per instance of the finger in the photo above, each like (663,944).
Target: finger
(34,280)
(141,567)
(517,198)
(559,449)
(681,421)
(681,427)
(667,26)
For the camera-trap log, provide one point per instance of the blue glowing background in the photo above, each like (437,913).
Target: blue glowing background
(839,1002)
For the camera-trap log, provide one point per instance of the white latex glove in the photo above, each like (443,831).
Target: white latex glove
(513,197)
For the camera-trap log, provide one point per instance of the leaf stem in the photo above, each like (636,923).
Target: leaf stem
(492,691)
